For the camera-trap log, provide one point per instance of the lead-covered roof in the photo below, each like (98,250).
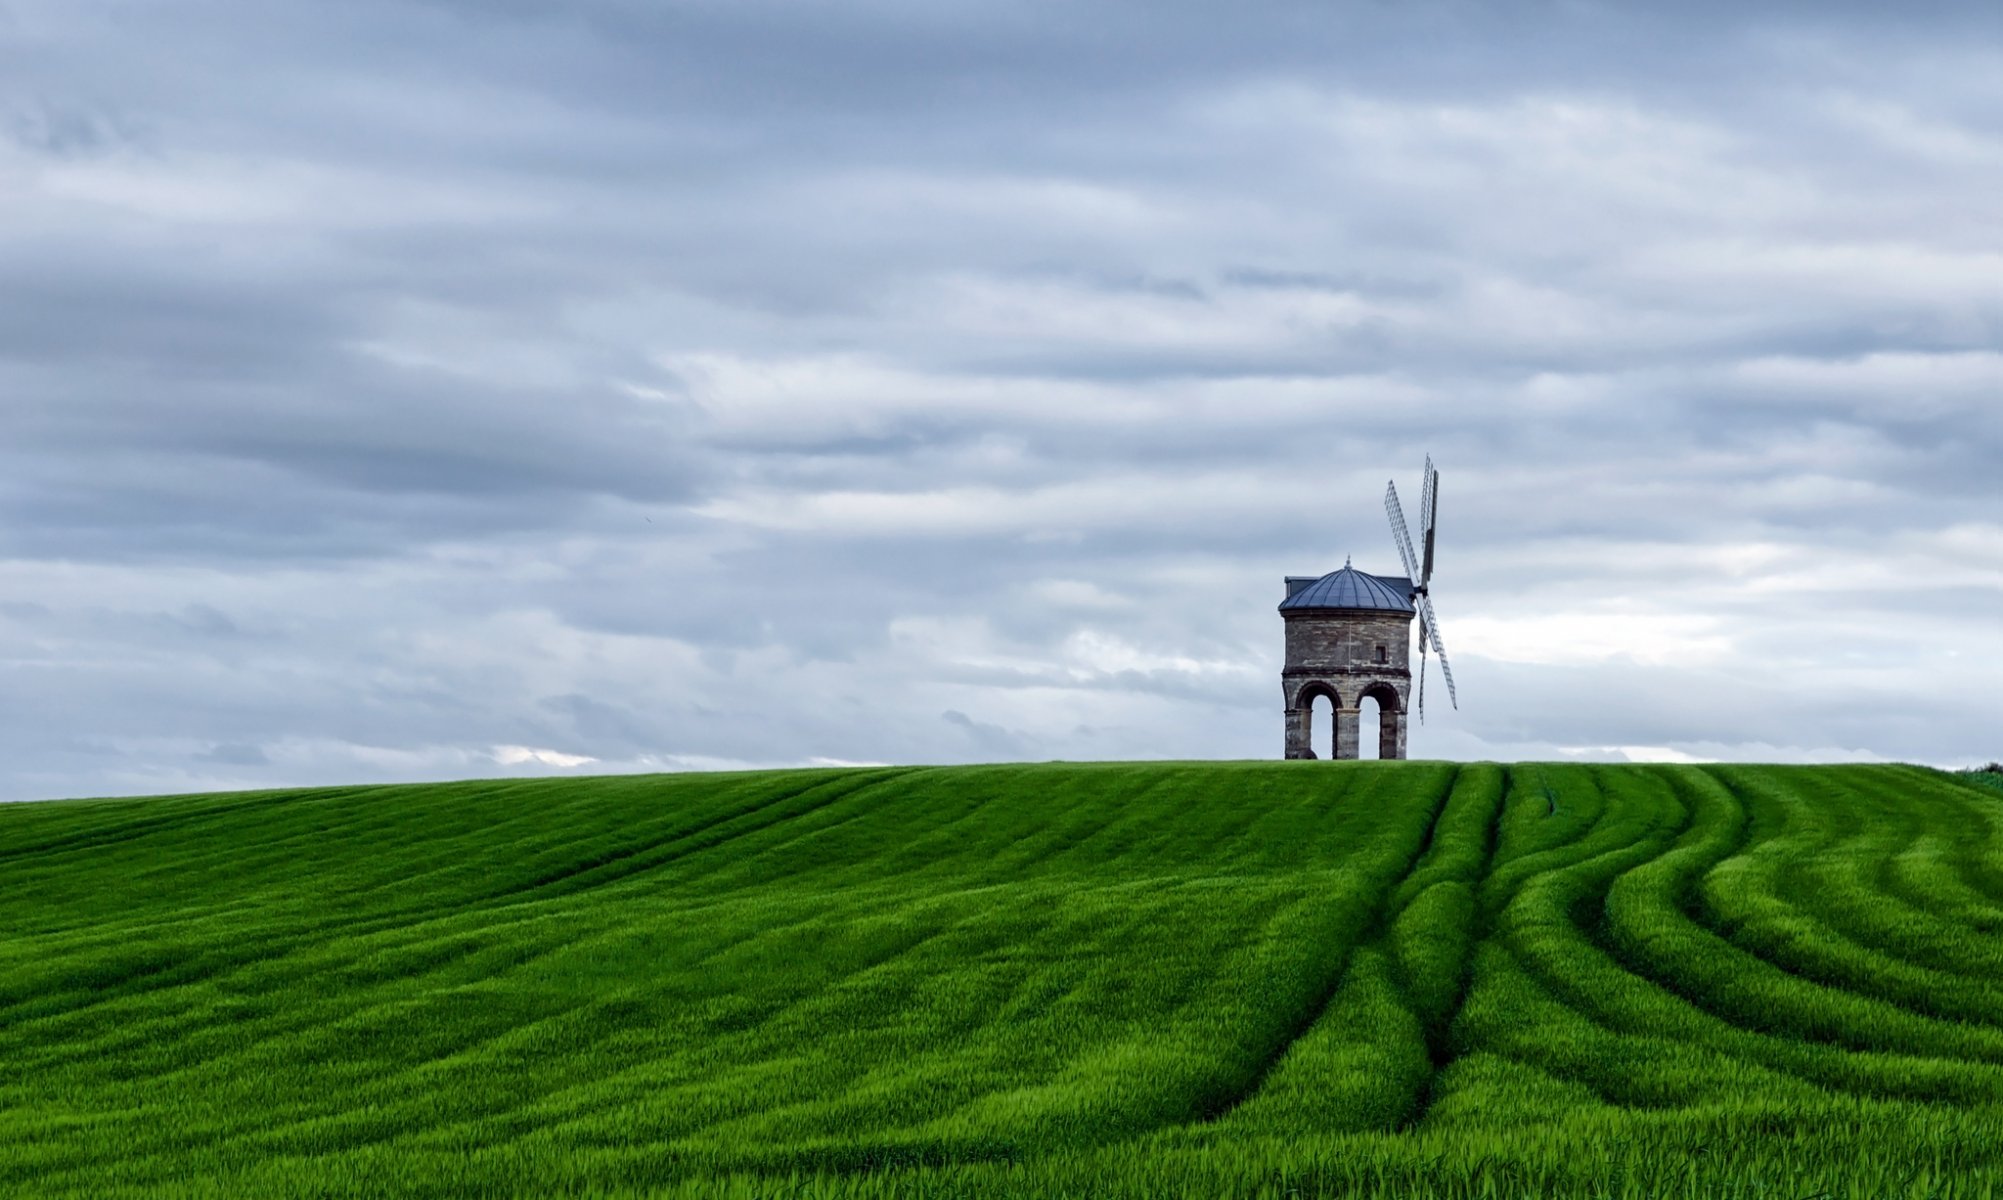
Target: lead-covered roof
(1352,589)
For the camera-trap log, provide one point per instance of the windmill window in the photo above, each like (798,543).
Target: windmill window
(1383,655)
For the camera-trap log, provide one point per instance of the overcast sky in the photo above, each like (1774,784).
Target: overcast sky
(398,389)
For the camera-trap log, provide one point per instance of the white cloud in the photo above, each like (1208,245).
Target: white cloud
(515,756)
(1658,754)
(1586,637)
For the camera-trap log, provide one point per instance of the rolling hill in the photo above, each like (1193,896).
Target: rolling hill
(1284,979)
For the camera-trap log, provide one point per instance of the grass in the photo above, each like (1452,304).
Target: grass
(1282,979)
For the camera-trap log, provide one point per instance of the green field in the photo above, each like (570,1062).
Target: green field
(1277,979)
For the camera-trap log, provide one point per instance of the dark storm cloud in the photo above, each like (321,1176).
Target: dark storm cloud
(403,389)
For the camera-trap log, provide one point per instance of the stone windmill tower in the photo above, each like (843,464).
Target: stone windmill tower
(1349,638)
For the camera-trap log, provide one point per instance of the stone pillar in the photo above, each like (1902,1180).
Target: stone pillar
(1297,733)
(1348,733)
(1390,733)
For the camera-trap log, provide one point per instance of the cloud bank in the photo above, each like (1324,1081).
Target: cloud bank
(412,389)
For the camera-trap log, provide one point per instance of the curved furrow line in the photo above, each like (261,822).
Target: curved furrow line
(1484,1082)
(1558,891)
(1650,927)
(1923,876)
(1464,840)
(1438,924)
(942,1144)
(1543,829)
(1538,890)
(1980,862)
(1940,928)
(1554,885)
(1343,988)
(1387,1076)
(1674,985)
(1811,909)
(1361,1061)
(1149,1076)
(1433,858)
(1920,819)
(1972,883)
(1914,913)
(1554,929)
(1516,1012)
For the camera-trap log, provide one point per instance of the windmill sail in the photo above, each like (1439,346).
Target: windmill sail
(1419,568)
(1431,519)
(1432,626)
(1401,534)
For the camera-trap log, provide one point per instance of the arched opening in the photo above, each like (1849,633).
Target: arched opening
(1383,733)
(1311,711)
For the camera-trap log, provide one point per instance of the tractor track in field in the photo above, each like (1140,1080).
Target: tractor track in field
(1755,1046)
(1494,894)
(1883,970)
(1978,873)
(1861,1070)
(1440,1049)
(1374,936)
(1588,917)
(1809,983)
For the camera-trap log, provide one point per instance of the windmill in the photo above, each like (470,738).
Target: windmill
(1421,573)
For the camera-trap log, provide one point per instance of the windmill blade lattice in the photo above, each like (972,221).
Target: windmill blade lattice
(1431,518)
(1401,534)
(1422,671)
(1426,490)
(1433,627)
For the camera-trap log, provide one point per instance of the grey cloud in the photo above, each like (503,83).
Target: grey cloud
(237,754)
(986,739)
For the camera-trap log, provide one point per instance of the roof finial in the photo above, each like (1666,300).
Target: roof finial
(1345,562)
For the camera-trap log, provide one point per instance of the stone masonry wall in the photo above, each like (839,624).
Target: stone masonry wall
(1337,651)
(1333,642)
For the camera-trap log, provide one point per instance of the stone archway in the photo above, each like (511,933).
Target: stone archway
(1390,718)
(1300,720)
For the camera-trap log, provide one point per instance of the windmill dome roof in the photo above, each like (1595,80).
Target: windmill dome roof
(1350,588)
